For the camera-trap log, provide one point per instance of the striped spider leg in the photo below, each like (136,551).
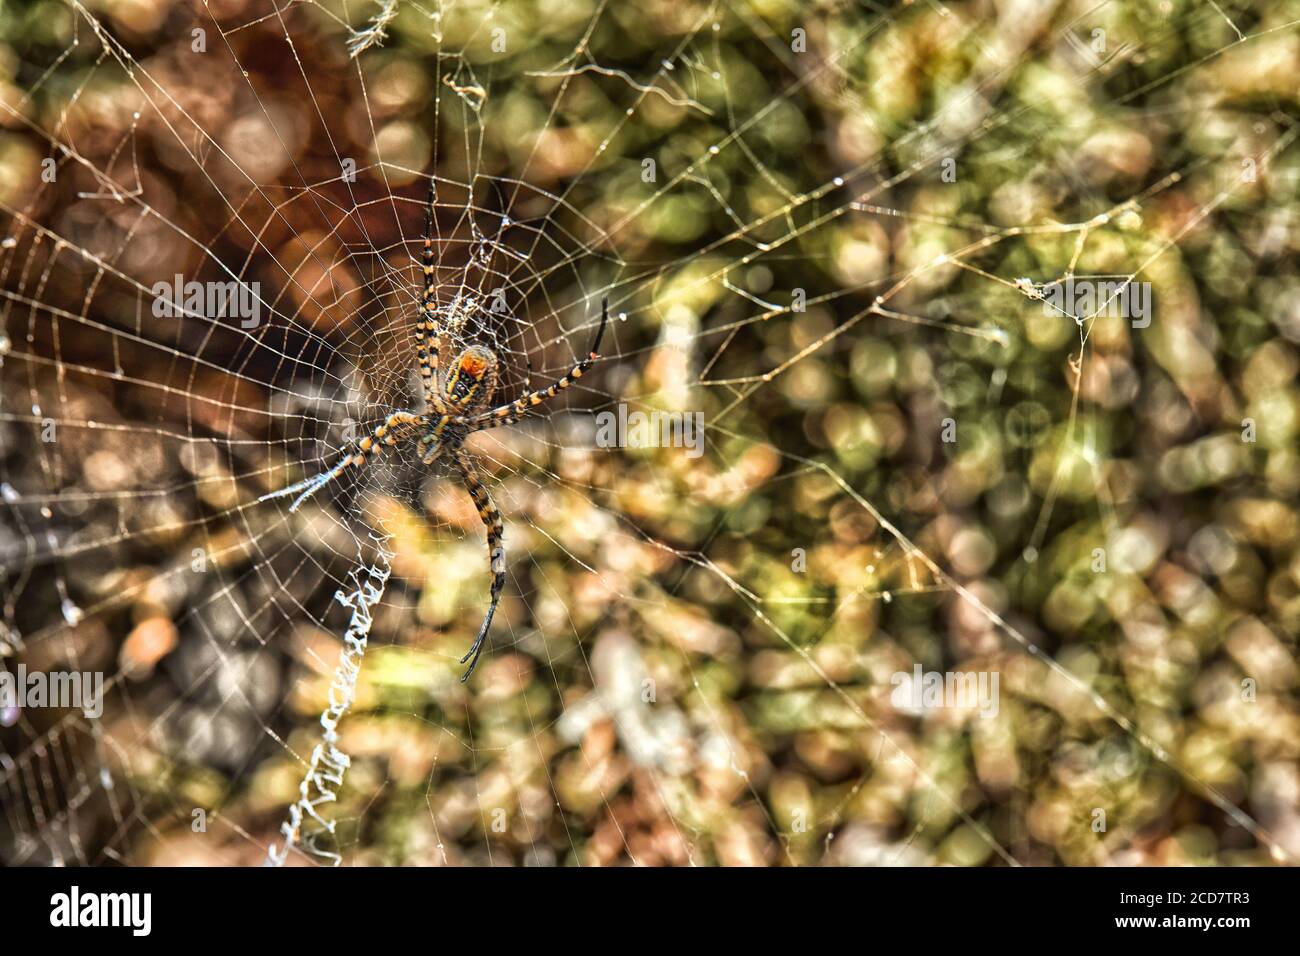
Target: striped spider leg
(428,329)
(491,519)
(487,511)
(397,427)
(515,411)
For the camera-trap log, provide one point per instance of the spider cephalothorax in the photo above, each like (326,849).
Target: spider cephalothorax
(457,404)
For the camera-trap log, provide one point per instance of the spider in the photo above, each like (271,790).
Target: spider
(457,404)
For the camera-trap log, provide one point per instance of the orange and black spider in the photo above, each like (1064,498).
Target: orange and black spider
(456,405)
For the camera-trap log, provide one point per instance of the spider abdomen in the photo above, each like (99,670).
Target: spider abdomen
(472,379)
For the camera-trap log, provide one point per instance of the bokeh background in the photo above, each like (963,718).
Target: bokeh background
(693,659)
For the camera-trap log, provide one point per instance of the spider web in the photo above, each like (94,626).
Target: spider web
(761,194)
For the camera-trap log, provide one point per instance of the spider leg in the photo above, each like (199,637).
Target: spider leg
(396,428)
(512,412)
(429,448)
(428,329)
(487,511)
